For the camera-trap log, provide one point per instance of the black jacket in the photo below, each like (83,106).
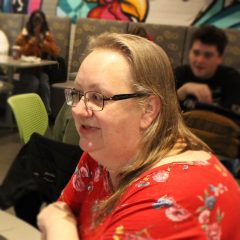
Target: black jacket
(225,85)
(42,165)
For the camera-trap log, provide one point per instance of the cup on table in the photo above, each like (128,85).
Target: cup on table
(16,52)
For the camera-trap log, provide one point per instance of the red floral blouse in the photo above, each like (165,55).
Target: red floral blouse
(198,200)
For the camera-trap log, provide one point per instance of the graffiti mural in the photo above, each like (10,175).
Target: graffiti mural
(20,6)
(73,8)
(120,10)
(128,10)
(220,14)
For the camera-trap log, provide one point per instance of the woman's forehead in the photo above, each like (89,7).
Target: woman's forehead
(104,63)
(105,69)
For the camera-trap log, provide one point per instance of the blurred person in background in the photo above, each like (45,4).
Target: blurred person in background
(36,40)
(205,79)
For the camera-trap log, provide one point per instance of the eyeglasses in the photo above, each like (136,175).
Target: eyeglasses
(93,100)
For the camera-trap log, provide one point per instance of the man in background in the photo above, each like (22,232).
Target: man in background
(205,79)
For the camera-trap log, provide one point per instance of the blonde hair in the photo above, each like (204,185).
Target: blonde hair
(151,72)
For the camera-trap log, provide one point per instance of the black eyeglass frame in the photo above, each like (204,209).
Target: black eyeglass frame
(116,97)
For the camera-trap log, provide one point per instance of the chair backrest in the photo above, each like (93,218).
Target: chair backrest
(170,38)
(30,114)
(11,24)
(87,28)
(221,133)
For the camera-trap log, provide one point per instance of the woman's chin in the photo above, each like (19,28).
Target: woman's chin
(88,146)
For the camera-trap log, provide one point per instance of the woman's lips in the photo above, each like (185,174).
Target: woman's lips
(86,129)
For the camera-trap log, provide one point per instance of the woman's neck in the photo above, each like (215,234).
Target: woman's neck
(176,150)
(113,179)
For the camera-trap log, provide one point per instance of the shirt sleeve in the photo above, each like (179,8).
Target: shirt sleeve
(49,45)
(23,42)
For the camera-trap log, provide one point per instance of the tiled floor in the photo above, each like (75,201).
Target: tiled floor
(9,147)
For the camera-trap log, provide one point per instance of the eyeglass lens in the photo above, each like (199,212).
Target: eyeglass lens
(72,97)
(92,100)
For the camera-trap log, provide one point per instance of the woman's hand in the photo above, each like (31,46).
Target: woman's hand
(57,222)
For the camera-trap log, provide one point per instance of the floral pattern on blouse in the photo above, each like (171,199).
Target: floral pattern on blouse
(157,201)
(120,234)
(81,178)
(159,176)
(221,169)
(209,223)
(174,211)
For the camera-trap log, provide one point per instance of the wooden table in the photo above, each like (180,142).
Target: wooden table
(13,228)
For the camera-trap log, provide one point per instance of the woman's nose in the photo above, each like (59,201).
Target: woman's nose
(81,109)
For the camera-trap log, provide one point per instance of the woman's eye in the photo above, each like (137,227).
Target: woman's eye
(96,97)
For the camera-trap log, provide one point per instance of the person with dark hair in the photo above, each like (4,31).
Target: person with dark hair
(205,80)
(36,40)
(140,31)
(211,35)
(143,173)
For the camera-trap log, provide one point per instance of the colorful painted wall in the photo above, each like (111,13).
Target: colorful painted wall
(221,13)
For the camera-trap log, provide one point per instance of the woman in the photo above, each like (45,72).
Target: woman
(36,40)
(143,175)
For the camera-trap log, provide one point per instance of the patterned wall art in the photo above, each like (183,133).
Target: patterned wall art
(127,10)
(20,6)
(221,13)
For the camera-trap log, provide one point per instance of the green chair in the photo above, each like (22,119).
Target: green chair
(30,114)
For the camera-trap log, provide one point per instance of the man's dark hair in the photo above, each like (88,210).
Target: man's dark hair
(211,35)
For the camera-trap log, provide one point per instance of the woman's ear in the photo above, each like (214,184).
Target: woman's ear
(150,111)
